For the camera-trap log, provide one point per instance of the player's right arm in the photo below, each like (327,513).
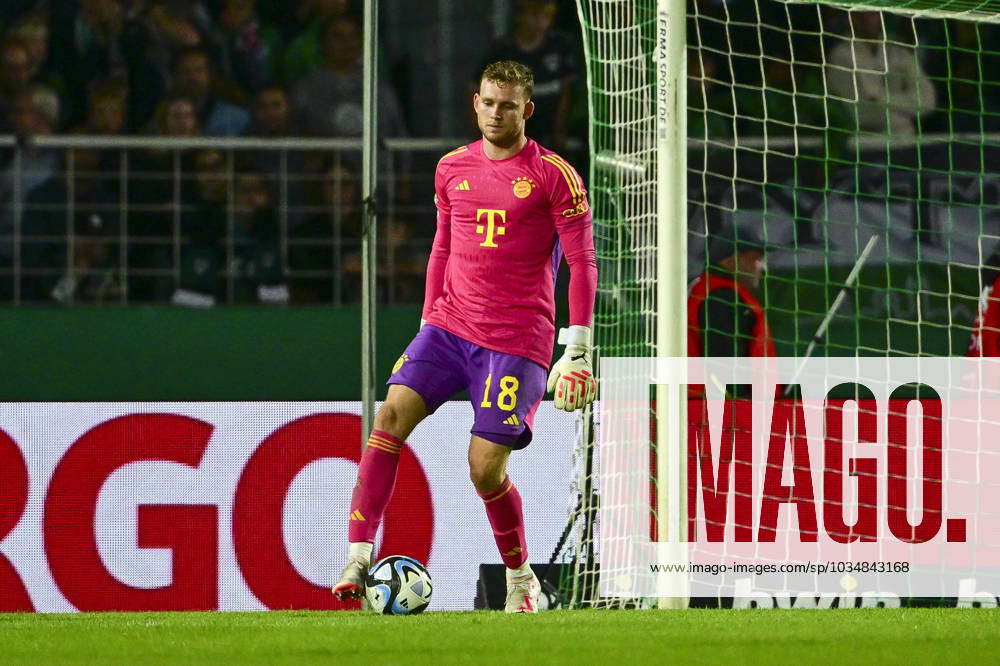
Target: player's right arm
(437,263)
(572,377)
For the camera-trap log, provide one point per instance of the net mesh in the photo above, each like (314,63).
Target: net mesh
(979,10)
(812,127)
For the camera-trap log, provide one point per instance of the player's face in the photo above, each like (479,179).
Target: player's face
(501,112)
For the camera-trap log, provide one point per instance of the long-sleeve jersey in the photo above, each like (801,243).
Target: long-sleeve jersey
(502,226)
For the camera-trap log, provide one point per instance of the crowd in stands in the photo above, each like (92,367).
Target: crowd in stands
(288,68)
(193,68)
(146,54)
(850,72)
(244,67)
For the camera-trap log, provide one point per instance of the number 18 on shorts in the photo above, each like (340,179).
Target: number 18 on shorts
(504,389)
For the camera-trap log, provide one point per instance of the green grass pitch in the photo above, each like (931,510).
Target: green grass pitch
(580,638)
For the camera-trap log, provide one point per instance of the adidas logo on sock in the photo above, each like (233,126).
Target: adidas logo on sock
(512,420)
(464,185)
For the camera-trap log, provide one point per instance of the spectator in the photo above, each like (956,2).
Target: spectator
(107,115)
(881,78)
(724,316)
(406,263)
(177,115)
(156,31)
(316,247)
(33,32)
(272,113)
(214,271)
(192,75)
(771,108)
(551,55)
(251,49)
(89,35)
(257,270)
(157,181)
(47,104)
(168,27)
(34,112)
(792,103)
(329,97)
(26,166)
(792,100)
(710,115)
(402,265)
(106,108)
(273,119)
(15,75)
(305,52)
(204,225)
(88,273)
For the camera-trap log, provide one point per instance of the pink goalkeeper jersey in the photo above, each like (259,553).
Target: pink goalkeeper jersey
(501,230)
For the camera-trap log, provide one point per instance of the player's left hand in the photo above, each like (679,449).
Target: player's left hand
(572,376)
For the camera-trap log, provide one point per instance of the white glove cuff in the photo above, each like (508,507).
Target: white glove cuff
(575,335)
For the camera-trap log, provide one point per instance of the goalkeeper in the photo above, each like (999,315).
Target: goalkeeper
(507,209)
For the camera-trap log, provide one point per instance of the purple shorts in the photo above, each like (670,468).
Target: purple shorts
(504,389)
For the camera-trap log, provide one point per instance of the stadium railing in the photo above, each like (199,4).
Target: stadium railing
(138,240)
(129,213)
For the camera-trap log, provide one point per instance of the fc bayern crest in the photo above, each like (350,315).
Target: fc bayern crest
(523,187)
(399,363)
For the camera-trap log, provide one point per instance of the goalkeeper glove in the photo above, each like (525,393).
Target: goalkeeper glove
(572,376)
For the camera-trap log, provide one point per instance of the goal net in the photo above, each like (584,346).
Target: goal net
(812,127)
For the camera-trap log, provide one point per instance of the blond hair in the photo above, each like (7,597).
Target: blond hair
(510,73)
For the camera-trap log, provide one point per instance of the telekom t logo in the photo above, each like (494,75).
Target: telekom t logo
(492,225)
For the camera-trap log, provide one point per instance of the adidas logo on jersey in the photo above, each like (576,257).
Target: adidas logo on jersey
(464,185)
(357,516)
(512,420)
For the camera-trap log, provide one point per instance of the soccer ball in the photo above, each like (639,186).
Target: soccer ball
(398,585)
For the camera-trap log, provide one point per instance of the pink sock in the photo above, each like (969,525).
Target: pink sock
(372,492)
(503,508)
